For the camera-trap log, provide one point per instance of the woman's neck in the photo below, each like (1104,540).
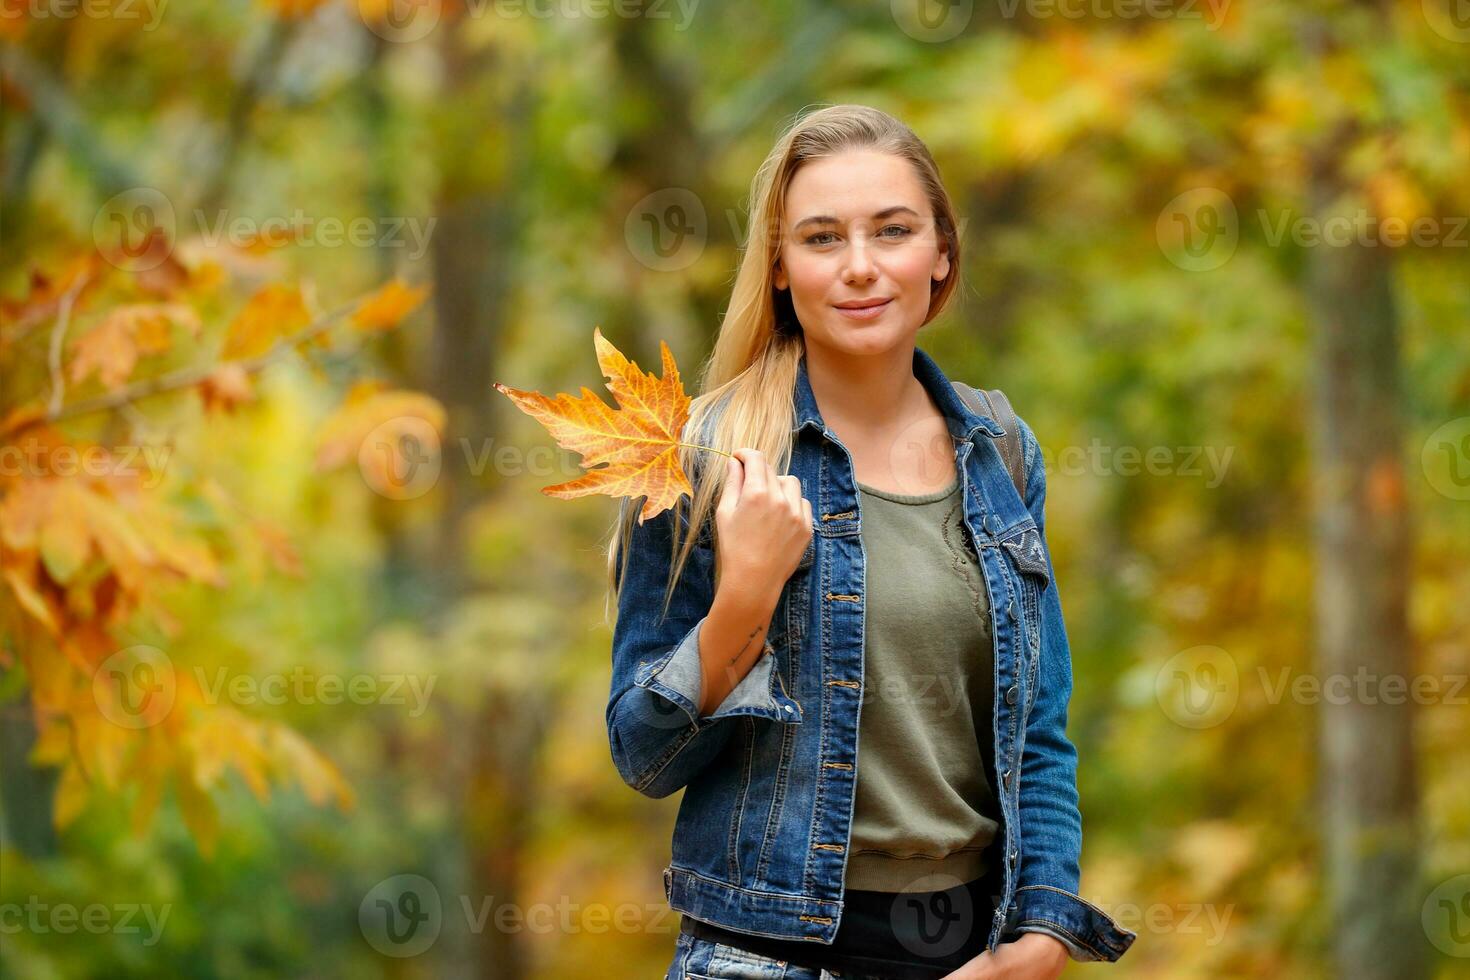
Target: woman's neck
(865,396)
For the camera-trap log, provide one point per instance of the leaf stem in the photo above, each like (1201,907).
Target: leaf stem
(712,449)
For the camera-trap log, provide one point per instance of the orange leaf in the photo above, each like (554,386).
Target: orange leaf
(274,312)
(44,298)
(111,349)
(65,543)
(639,442)
(31,600)
(225,388)
(383,309)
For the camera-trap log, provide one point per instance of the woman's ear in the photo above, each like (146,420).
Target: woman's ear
(941,266)
(778,276)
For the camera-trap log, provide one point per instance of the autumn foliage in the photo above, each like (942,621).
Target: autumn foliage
(102,521)
(635,446)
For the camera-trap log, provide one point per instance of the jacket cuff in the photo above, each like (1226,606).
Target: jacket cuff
(678,676)
(1087,931)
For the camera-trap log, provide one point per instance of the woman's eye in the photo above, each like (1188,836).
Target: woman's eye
(816,239)
(901,229)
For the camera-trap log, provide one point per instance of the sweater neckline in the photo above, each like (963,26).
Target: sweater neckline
(911,498)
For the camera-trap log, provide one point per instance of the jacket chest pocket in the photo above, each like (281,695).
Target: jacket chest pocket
(1027,552)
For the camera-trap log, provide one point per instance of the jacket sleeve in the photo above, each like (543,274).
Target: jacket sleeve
(658,739)
(1048,877)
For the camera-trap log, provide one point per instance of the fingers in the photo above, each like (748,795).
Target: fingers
(750,472)
(756,470)
(734,482)
(791,487)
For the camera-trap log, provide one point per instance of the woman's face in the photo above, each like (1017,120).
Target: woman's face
(858,229)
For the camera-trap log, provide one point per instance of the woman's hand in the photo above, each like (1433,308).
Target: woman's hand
(763,524)
(1034,956)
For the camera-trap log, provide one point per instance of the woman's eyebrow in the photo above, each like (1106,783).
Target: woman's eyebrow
(823,219)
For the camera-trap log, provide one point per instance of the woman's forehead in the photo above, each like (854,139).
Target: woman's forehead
(853,185)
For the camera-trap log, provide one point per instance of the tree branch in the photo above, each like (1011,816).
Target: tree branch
(190,376)
(53,107)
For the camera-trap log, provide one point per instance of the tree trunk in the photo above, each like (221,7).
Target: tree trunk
(1362,545)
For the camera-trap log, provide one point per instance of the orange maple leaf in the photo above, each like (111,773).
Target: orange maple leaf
(383,309)
(638,441)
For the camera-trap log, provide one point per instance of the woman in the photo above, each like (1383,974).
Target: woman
(864,560)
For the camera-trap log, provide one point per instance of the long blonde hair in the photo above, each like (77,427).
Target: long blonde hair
(744,397)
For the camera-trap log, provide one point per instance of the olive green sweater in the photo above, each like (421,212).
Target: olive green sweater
(924,803)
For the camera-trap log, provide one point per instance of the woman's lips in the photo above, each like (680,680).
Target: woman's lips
(864,313)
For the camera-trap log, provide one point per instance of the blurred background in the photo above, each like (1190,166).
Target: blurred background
(301,675)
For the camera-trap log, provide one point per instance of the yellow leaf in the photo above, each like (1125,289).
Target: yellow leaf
(276,311)
(385,308)
(65,543)
(53,744)
(639,442)
(71,797)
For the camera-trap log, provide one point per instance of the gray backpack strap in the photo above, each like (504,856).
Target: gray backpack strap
(998,407)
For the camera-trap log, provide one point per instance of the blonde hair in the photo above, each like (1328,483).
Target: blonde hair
(745,392)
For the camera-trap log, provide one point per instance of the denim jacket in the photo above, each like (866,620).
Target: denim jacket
(760,842)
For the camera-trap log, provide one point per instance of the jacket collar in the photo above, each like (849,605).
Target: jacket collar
(963,423)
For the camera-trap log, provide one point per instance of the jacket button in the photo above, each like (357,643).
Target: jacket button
(1005,778)
(1012,693)
(1015,855)
(1011,609)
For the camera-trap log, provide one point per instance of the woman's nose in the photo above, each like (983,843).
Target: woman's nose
(859,262)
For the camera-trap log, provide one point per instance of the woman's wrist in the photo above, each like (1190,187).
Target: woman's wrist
(1041,944)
